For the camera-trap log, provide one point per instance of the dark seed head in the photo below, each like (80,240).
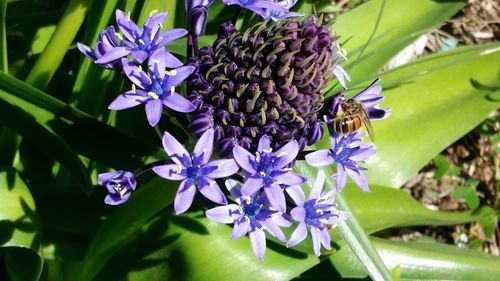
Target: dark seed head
(266,80)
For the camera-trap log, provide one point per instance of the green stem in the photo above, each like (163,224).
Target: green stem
(54,52)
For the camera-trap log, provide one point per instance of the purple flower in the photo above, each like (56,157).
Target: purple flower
(107,42)
(252,215)
(197,11)
(260,7)
(140,44)
(195,171)
(276,15)
(269,170)
(318,213)
(370,97)
(156,88)
(119,184)
(348,152)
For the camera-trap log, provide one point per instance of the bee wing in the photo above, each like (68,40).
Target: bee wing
(368,124)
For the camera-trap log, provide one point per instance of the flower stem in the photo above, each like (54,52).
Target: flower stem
(147,167)
(189,46)
(195,45)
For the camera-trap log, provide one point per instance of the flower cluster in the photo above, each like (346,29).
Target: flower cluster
(256,103)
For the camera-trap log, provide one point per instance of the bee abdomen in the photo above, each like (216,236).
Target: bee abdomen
(346,124)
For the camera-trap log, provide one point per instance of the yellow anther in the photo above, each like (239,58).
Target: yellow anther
(269,150)
(287,169)
(172,90)
(153,12)
(219,167)
(118,35)
(240,209)
(133,88)
(319,212)
(153,95)
(142,42)
(179,169)
(128,16)
(172,72)
(140,67)
(278,182)
(247,199)
(212,183)
(262,174)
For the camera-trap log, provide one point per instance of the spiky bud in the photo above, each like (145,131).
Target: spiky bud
(266,80)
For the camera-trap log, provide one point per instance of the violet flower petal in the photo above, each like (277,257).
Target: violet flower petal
(128,100)
(224,214)
(290,178)
(154,109)
(316,241)
(276,197)
(287,154)
(178,103)
(318,186)
(297,194)
(204,146)
(184,197)
(241,227)
(298,235)
(113,54)
(258,240)
(320,158)
(244,159)
(225,168)
(252,185)
(173,148)
(127,27)
(341,180)
(211,190)
(170,172)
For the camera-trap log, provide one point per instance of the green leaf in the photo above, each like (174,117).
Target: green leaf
(402,22)
(54,52)
(385,207)
(77,128)
(4,65)
(150,199)
(424,261)
(433,104)
(41,137)
(443,167)
(19,228)
(468,192)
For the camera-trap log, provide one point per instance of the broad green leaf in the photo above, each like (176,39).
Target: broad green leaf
(41,137)
(77,128)
(20,244)
(150,199)
(191,247)
(54,52)
(433,104)
(385,207)
(402,22)
(424,261)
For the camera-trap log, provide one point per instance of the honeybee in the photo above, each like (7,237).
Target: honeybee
(350,118)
